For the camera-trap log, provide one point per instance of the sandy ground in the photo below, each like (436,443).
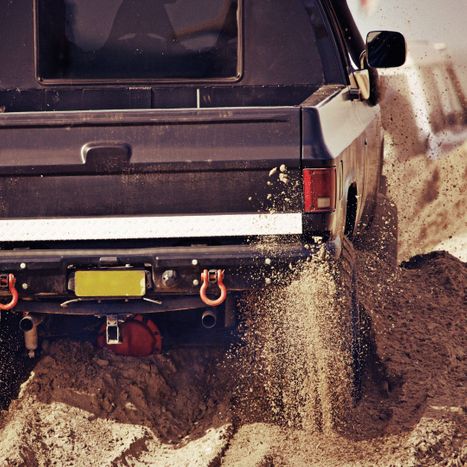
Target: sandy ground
(192,407)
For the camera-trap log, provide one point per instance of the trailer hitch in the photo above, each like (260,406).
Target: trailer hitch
(213,277)
(8,282)
(112,331)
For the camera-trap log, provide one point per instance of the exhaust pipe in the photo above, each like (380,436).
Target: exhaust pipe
(209,319)
(28,324)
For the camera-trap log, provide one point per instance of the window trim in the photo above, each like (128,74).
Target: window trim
(141,81)
(334,33)
(338,38)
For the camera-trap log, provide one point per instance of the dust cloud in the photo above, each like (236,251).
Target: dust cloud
(431,201)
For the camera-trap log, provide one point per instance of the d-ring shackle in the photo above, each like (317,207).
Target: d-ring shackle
(216,277)
(14,294)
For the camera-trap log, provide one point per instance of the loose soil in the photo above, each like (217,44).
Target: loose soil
(83,406)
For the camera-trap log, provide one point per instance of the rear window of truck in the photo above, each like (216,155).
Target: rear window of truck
(132,40)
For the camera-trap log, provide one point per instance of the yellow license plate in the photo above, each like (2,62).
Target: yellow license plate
(110,283)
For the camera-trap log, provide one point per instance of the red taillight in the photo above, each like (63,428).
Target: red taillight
(319,190)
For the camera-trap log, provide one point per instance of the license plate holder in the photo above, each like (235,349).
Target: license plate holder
(110,283)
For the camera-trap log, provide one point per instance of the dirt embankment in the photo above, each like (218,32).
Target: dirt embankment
(192,407)
(81,406)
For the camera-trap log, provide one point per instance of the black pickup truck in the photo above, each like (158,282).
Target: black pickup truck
(149,148)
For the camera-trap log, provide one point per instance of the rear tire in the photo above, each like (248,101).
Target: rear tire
(340,351)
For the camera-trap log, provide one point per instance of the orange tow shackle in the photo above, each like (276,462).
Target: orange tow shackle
(213,277)
(10,282)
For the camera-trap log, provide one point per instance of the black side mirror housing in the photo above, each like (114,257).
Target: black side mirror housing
(385,49)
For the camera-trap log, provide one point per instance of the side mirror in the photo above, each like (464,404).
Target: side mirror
(385,49)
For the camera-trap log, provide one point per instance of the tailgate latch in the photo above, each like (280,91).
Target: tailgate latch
(8,282)
(213,277)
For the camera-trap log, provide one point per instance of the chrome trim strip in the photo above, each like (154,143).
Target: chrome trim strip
(146,227)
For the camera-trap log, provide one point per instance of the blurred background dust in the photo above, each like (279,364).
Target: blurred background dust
(436,21)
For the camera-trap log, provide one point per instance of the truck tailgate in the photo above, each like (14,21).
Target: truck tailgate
(154,162)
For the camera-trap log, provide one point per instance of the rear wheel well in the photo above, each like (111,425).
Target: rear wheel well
(351,211)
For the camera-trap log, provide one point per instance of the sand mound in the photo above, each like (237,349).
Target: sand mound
(84,406)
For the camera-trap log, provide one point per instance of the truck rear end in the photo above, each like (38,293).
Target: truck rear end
(171,158)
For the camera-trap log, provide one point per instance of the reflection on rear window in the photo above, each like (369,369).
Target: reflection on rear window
(137,39)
